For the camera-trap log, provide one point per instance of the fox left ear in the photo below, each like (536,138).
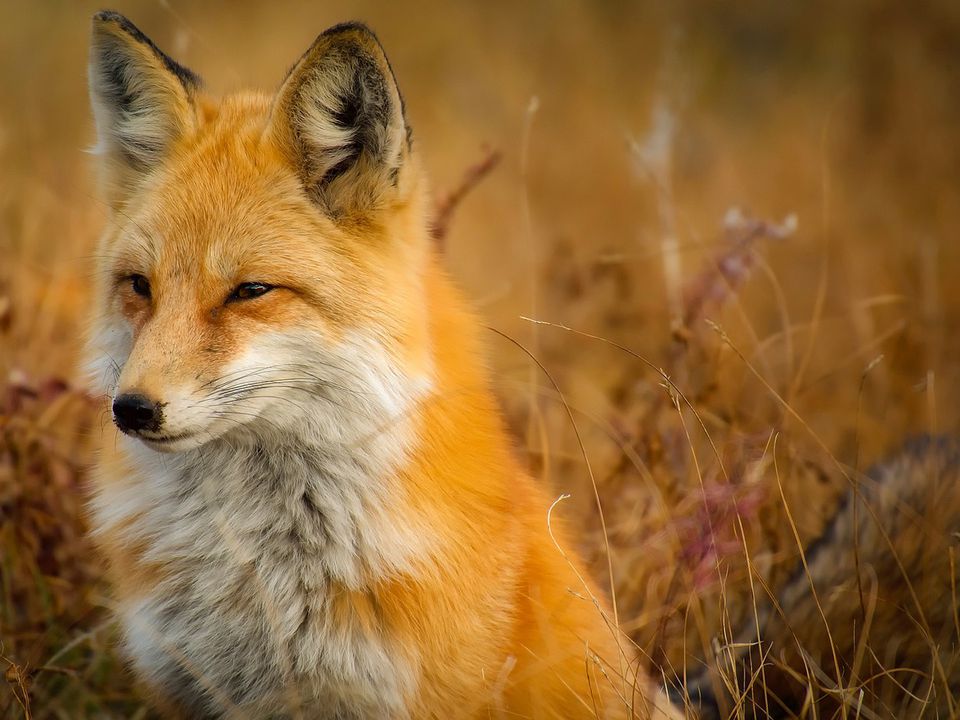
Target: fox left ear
(142,100)
(339,117)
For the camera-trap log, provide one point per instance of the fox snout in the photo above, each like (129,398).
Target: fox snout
(134,412)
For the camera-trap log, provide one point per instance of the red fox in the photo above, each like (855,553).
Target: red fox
(313,508)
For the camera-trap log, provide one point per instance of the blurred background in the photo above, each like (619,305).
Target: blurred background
(757,200)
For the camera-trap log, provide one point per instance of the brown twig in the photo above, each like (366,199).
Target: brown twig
(18,679)
(448,203)
(725,273)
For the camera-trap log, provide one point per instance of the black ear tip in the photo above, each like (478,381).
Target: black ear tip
(111,16)
(355,28)
(104,15)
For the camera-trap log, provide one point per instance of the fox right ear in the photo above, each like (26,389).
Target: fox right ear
(142,100)
(339,117)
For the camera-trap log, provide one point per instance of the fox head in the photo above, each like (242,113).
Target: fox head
(263,252)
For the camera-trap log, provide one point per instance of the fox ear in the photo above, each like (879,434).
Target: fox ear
(142,100)
(339,117)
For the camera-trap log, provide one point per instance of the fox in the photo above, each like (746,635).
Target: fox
(310,505)
(866,625)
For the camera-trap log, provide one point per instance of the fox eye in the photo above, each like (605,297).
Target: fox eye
(249,291)
(140,285)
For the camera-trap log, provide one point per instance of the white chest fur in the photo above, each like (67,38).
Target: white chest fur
(256,531)
(254,541)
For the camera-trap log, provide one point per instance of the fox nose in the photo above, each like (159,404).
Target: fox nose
(133,412)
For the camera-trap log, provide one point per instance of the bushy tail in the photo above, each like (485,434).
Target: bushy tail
(867,625)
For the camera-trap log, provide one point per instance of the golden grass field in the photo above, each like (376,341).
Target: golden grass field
(700,367)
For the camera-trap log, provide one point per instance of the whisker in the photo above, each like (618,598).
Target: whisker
(292,383)
(243,373)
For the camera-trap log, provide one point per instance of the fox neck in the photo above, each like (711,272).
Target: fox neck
(362,492)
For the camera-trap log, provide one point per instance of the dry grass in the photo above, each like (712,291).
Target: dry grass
(727,377)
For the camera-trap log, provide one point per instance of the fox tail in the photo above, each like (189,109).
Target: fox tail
(869,616)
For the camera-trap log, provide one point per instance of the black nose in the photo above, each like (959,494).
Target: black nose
(133,412)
